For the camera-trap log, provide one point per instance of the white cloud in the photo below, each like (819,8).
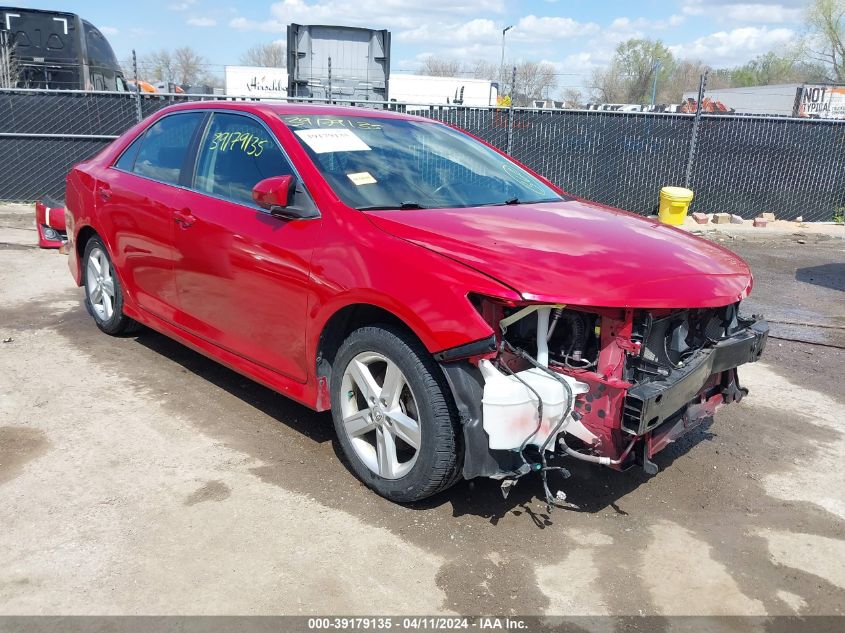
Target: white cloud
(601,47)
(759,12)
(182,6)
(726,48)
(202,21)
(481,38)
(763,13)
(533,28)
(392,14)
(242,24)
(645,25)
(474,31)
(109,30)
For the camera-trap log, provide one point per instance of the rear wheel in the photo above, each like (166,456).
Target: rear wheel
(103,293)
(393,415)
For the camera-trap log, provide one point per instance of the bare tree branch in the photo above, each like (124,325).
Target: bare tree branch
(272,55)
(436,67)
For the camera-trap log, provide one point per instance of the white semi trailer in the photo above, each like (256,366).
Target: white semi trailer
(424,89)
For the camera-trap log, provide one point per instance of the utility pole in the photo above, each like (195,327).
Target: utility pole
(510,113)
(330,80)
(138,109)
(502,65)
(656,70)
(702,87)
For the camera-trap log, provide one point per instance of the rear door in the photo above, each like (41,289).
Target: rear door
(137,198)
(242,275)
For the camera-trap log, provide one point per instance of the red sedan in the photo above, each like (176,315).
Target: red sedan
(460,315)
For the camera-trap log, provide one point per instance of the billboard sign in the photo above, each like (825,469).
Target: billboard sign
(257,81)
(822,102)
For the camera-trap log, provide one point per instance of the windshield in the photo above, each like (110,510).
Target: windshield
(374,163)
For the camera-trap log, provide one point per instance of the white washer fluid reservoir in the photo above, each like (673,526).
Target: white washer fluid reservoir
(510,408)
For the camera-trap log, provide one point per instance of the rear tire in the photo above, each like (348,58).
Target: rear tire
(394,415)
(103,292)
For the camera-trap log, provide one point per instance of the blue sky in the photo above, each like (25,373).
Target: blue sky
(575,35)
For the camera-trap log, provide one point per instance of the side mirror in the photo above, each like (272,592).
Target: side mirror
(274,194)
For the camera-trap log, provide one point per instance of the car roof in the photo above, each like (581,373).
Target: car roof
(307,109)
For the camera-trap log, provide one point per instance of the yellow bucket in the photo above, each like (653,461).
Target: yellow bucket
(674,204)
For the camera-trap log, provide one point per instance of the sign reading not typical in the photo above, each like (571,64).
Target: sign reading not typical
(822,102)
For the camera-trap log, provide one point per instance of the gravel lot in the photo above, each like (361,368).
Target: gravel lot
(137,477)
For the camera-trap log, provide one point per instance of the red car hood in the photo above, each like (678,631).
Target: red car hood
(579,253)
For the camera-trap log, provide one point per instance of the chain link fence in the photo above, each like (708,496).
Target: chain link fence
(618,159)
(740,164)
(792,167)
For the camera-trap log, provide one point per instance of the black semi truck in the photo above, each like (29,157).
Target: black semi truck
(54,49)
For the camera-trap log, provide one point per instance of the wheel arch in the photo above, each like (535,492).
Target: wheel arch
(337,328)
(83,237)
(80,241)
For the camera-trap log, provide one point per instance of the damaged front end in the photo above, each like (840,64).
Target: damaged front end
(611,386)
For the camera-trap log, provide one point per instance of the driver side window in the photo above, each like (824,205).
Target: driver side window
(235,154)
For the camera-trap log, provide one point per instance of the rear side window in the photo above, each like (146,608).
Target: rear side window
(165,145)
(236,153)
(126,162)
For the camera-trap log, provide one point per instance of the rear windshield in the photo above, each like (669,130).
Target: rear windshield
(374,163)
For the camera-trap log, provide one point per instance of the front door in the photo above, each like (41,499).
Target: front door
(242,275)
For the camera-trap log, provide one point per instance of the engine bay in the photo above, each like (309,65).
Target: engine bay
(611,386)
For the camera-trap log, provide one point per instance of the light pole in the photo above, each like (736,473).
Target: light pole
(502,65)
(655,69)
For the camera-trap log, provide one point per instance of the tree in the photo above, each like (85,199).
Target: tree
(272,55)
(573,98)
(772,68)
(184,67)
(685,77)
(189,66)
(826,36)
(157,66)
(534,80)
(482,69)
(639,60)
(606,84)
(437,67)
(630,76)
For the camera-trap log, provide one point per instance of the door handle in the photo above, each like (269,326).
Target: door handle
(104,193)
(184,218)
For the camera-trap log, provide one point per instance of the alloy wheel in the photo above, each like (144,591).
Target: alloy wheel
(380,415)
(100,284)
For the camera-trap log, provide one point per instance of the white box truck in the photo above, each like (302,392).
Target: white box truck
(427,90)
(256,81)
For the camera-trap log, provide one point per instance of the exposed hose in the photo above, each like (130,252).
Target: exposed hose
(539,412)
(564,421)
(551,500)
(596,459)
(555,318)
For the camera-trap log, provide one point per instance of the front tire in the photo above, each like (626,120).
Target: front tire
(394,415)
(103,292)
